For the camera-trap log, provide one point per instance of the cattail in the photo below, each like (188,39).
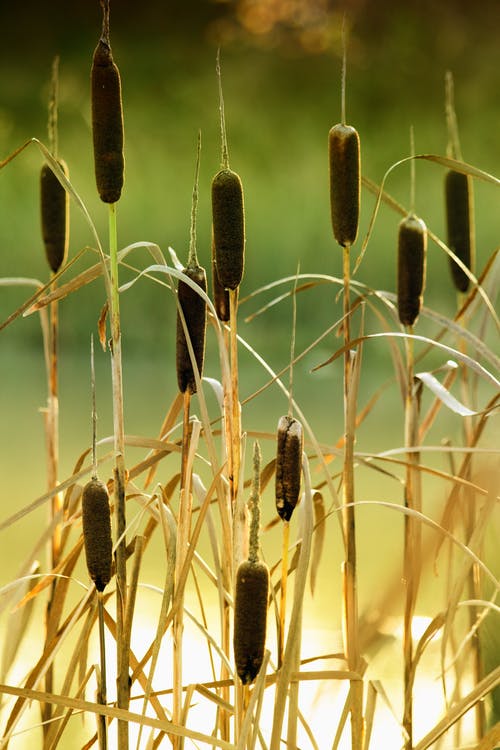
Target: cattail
(412,247)
(107,118)
(220,295)
(96,522)
(228,227)
(459,213)
(54,209)
(195,315)
(344,161)
(250,618)
(193,307)
(288,465)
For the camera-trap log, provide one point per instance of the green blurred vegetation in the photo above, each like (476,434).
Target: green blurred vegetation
(281,99)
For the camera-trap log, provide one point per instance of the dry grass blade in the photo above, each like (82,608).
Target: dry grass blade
(77,704)
(319,536)
(453,353)
(18,623)
(460,708)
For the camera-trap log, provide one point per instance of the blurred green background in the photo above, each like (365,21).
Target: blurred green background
(281,64)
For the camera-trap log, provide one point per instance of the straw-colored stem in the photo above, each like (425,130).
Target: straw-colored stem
(185,438)
(122,681)
(412,539)
(474,578)
(284,578)
(52,438)
(235,402)
(183,537)
(102,729)
(350,595)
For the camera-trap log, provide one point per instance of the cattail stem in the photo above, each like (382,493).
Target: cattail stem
(185,439)
(52,414)
(123,688)
(102,728)
(474,576)
(350,595)
(235,402)
(284,579)
(412,537)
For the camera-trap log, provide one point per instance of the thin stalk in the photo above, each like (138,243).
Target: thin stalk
(235,402)
(286,525)
(284,578)
(102,731)
(474,577)
(52,414)
(122,677)
(412,538)
(183,534)
(350,596)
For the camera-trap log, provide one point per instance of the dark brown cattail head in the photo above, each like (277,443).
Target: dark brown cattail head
(54,209)
(220,295)
(344,161)
(228,227)
(194,311)
(107,118)
(288,465)
(412,250)
(459,223)
(96,522)
(250,618)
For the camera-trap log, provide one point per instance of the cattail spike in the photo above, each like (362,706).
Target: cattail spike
(96,520)
(228,227)
(194,311)
(412,249)
(290,442)
(460,225)
(220,295)
(192,307)
(54,211)
(107,117)
(345,168)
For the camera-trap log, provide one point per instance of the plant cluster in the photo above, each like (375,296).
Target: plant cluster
(191,502)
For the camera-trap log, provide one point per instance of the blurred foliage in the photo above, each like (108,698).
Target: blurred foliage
(281,62)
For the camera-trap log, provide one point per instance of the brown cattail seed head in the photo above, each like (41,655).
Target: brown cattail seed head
(54,210)
(107,123)
(220,295)
(250,618)
(345,169)
(96,522)
(459,222)
(195,315)
(228,227)
(288,465)
(412,248)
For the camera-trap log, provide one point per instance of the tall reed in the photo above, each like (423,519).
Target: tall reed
(345,183)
